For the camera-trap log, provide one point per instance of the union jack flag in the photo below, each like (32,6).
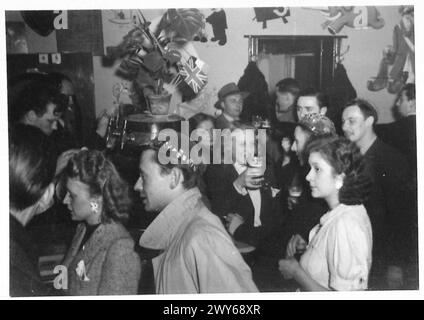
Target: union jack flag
(193,75)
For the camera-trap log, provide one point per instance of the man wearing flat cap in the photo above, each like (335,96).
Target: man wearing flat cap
(230,101)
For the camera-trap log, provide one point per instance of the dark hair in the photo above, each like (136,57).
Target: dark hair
(198,118)
(31,166)
(93,169)
(33,92)
(322,98)
(191,172)
(409,90)
(72,116)
(57,78)
(367,109)
(345,158)
(289,85)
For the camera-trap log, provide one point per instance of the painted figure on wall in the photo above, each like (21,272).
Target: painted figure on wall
(265,14)
(359,17)
(218,20)
(400,56)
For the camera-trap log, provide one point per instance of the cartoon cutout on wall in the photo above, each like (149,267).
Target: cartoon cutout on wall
(41,22)
(201,34)
(400,55)
(218,20)
(265,14)
(123,17)
(351,16)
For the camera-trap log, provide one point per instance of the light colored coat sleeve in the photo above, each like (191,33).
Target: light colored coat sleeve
(216,266)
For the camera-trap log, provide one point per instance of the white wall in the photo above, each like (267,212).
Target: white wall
(361,62)
(228,62)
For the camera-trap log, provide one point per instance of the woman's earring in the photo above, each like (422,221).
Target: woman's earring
(94,207)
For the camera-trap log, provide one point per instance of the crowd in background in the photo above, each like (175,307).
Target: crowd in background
(332,206)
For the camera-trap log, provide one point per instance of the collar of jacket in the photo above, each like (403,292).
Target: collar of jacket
(161,231)
(373,149)
(101,238)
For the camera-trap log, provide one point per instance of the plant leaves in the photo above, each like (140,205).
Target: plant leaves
(183,24)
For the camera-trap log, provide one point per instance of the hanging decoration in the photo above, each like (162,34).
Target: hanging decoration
(265,14)
(350,16)
(40,21)
(123,17)
(218,20)
(400,56)
(201,34)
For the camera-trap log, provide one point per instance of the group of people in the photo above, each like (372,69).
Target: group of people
(350,220)
(298,119)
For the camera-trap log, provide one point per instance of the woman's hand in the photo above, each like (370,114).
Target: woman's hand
(288,267)
(247,181)
(296,245)
(233,221)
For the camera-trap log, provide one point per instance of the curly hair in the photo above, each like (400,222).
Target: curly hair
(93,169)
(345,158)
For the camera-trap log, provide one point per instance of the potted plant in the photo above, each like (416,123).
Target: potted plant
(148,58)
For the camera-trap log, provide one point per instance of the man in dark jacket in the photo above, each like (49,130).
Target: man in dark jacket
(389,206)
(247,203)
(24,273)
(405,129)
(30,193)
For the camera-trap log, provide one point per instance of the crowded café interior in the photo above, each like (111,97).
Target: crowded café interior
(211,150)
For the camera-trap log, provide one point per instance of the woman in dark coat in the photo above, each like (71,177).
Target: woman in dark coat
(31,172)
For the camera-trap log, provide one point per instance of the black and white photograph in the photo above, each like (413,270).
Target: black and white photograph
(245,149)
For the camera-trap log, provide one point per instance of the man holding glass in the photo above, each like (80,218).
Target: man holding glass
(241,192)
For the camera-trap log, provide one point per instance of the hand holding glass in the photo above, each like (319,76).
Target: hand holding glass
(256,170)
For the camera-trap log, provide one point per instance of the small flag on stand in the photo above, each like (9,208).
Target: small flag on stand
(193,75)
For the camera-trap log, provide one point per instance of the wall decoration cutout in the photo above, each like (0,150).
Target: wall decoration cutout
(354,17)
(40,21)
(400,56)
(84,32)
(16,40)
(202,36)
(218,20)
(123,17)
(122,93)
(265,14)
